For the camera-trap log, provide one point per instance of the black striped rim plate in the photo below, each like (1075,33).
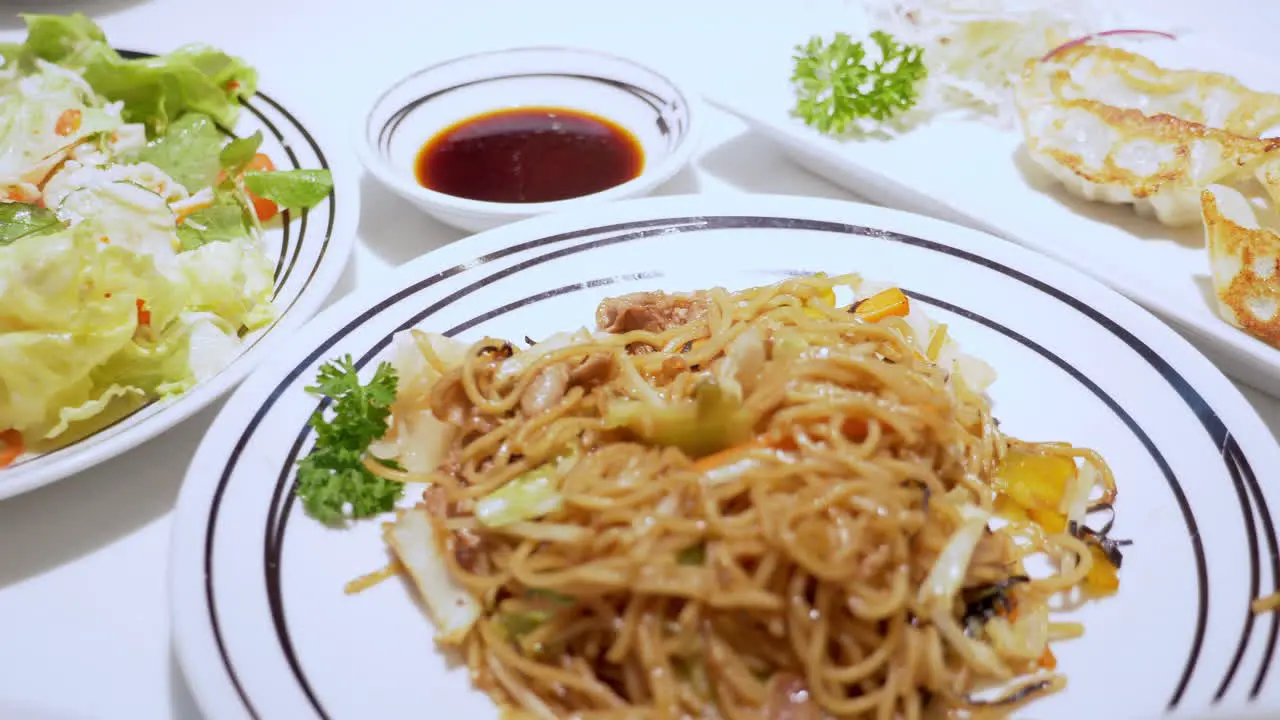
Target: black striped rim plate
(309,250)
(262,625)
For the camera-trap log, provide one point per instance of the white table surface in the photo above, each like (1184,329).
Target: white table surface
(84,622)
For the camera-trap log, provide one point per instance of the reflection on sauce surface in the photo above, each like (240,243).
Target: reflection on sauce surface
(529,155)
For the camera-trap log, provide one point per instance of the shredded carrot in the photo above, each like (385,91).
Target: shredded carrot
(853,428)
(886,303)
(18,194)
(265,209)
(232,85)
(190,210)
(729,455)
(144,315)
(68,122)
(12,447)
(1048,661)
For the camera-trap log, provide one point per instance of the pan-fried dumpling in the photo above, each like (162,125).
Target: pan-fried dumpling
(1244,258)
(1115,127)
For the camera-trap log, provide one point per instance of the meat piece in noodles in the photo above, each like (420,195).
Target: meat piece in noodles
(545,390)
(595,369)
(450,404)
(649,311)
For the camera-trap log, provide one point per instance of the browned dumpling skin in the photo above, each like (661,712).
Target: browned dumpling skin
(1244,257)
(1114,127)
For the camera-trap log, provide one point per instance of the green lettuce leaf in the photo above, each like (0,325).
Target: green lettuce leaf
(155,90)
(223,221)
(19,220)
(153,363)
(158,90)
(94,121)
(188,152)
(73,344)
(239,152)
(291,189)
(230,279)
(53,343)
(12,53)
(62,39)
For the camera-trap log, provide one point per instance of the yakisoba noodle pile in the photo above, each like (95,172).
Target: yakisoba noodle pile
(739,505)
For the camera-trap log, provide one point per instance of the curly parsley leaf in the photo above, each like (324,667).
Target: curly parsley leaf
(333,483)
(839,83)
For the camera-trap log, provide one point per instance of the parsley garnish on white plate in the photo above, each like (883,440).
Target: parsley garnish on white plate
(333,483)
(840,82)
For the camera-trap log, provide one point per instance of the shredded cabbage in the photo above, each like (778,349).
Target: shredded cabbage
(419,545)
(949,570)
(416,437)
(527,497)
(974,48)
(30,104)
(82,322)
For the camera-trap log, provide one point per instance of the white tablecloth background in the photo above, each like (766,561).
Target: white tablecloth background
(84,622)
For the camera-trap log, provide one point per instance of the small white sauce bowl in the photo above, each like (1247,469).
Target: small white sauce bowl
(663,117)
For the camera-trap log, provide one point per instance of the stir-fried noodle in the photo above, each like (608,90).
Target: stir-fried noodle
(740,505)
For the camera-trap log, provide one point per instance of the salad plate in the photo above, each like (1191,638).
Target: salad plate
(263,627)
(288,268)
(978,173)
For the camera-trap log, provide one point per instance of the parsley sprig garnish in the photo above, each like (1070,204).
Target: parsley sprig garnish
(836,84)
(333,483)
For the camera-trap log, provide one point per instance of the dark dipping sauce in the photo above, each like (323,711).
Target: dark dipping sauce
(529,155)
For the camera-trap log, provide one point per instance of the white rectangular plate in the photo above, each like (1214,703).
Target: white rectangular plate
(979,175)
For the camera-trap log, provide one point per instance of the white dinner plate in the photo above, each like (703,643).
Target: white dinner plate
(979,175)
(309,250)
(264,629)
